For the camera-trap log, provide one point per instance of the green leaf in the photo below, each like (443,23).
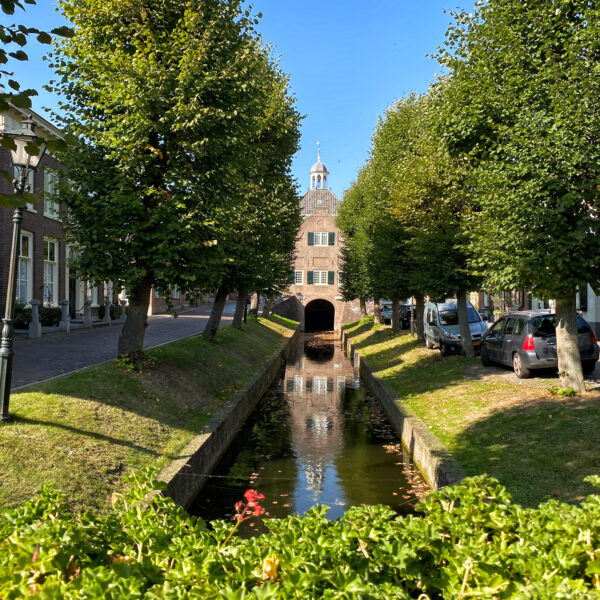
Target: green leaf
(12,201)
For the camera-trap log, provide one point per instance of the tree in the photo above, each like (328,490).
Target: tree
(522,106)
(163,97)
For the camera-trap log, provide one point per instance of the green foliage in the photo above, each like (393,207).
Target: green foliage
(115,311)
(568,392)
(124,362)
(22,315)
(471,540)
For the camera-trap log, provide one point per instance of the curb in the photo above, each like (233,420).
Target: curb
(186,476)
(437,465)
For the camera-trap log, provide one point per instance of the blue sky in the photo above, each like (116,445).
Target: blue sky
(347,61)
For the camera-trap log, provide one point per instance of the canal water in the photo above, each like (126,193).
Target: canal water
(316,437)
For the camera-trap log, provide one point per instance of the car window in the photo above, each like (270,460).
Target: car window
(582,326)
(497,327)
(510,326)
(543,326)
(450,317)
(519,327)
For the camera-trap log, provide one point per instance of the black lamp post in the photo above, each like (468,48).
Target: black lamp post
(26,157)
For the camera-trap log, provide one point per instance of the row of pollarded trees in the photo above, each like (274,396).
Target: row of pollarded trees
(493,177)
(184,131)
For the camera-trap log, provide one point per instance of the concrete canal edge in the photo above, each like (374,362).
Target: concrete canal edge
(436,464)
(186,476)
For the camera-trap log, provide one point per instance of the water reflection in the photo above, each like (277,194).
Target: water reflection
(315,438)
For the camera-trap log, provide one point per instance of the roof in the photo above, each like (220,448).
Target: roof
(314,199)
(319,167)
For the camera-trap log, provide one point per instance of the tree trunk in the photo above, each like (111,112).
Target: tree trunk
(567,347)
(267,308)
(240,305)
(131,340)
(254,304)
(396,315)
(420,316)
(463,323)
(377,310)
(210,331)
(363,307)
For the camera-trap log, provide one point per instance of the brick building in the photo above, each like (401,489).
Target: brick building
(314,298)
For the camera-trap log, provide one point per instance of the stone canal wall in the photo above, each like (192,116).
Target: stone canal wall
(433,460)
(186,476)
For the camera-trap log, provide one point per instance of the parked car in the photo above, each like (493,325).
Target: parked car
(527,340)
(405,310)
(386,312)
(441,326)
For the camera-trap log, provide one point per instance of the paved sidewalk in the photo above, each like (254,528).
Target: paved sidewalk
(49,356)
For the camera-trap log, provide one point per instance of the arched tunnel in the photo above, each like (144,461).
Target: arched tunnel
(319,316)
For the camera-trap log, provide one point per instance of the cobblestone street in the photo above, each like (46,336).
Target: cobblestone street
(52,355)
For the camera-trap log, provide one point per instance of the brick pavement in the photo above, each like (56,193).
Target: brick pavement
(49,356)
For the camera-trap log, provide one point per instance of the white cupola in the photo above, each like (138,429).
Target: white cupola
(318,173)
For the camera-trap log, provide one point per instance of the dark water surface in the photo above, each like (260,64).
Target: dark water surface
(316,437)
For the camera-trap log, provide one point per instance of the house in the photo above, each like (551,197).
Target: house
(314,298)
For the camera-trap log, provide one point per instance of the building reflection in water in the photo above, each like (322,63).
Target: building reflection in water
(315,438)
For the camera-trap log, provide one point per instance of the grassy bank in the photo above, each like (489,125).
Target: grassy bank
(84,431)
(539,445)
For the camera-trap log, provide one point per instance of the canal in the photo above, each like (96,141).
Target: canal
(316,437)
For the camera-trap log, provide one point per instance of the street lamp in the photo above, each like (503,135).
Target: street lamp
(26,156)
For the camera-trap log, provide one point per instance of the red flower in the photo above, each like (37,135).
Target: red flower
(251,496)
(258,510)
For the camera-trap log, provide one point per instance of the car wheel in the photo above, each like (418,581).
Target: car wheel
(588,366)
(521,371)
(428,343)
(444,349)
(486,361)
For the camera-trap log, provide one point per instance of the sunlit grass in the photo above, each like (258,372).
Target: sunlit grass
(84,431)
(539,445)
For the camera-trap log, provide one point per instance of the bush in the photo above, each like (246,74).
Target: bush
(471,541)
(22,315)
(50,315)
(115,311)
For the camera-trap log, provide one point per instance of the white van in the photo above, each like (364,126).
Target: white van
(440,324)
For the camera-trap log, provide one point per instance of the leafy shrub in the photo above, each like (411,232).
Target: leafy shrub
(115,311)
(471,541)
(50,315)
(22,315)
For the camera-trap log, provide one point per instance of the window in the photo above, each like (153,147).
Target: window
(175,293)
(299,277)
(50,206)
(50,272)
(25,272)
(497,328)
(320,277)
(92,293)
(519,327)
(510,326)
(321,238)
(319,385)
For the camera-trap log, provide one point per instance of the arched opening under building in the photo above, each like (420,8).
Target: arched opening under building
(319,316)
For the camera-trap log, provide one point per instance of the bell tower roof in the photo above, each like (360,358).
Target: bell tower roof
(318,173)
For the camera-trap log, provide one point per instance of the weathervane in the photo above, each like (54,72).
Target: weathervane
(319,151)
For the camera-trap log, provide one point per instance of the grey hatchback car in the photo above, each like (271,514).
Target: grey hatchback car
(527,341)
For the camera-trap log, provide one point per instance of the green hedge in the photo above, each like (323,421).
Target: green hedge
(469,541)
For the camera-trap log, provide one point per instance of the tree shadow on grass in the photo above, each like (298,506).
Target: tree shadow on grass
(539,450)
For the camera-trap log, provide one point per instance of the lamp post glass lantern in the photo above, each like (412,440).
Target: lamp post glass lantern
(26,155)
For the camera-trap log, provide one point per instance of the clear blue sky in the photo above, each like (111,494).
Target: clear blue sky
(347,61)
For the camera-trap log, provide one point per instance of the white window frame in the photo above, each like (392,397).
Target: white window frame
(92,294)
(320,277)
(321,238)
(50,287)
(319,385)
(51,208)
(298,277)
(25,261)
(175,294)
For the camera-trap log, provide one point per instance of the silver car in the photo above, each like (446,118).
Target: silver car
(526,340)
